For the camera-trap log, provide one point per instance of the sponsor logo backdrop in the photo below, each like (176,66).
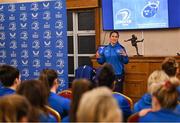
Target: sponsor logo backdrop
(33,37)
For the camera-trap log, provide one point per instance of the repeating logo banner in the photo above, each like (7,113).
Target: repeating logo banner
(33,37)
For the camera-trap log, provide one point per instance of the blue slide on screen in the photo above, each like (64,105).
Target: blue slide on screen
(138,14)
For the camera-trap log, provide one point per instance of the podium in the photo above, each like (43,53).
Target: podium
(137,72)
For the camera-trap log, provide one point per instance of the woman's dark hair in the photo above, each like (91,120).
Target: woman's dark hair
(114,32)
(170,66)
(106,76)
(35,91)
(79,87)
(47,76)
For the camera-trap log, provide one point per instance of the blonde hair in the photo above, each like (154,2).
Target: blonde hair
(155,78)
(98,105)
(167,95)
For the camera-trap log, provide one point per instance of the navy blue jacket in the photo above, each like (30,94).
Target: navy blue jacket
(111,54)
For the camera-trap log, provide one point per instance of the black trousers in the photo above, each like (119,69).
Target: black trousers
(119,80)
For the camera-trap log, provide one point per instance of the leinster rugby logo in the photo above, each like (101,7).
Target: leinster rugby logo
(123,17)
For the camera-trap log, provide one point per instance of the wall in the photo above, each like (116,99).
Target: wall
(162,42)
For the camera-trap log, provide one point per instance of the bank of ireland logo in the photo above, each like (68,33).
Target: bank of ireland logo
(12,26)
(1,27)
(24,35)
(123,17)
(23,16)
(34,6)
(48,54)
(36,63)
(24,54)
(59,34)
(58,4)
(2,54)
(35,25)
(34,15)
(46,25)
(12,35)
(13,54)
(47,43)
(24,45)
(46,15)
(47,34)
(35,35)
(12,17)
(14,62)
(46,5)
(48,63)
(35,53)
(25,72)
(59,44)
(59,54)
(11,7)
(58,15)
(2,17)
(59,24)
(150,10)
(2,44)
(60,63)
(36,44)
(13,44)
(22,7)
(36,73)
(2,36)
(1,7)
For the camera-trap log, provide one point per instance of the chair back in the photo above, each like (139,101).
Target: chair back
(54,113)
(128,99)
(66,94)
(133,118)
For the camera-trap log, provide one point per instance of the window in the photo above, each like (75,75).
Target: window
(81,38)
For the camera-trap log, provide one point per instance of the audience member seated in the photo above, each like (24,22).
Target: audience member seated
(158,76)
(14,108)
(98,105)
(36,93)
(79,87)
(106,77)
(164,101)
(49,77)
(10,79)
(170,66)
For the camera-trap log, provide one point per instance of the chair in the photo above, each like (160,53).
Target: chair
(133,118)
(128,99)
(66,94)
(54,113)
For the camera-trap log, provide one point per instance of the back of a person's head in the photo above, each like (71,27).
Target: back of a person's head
(98,105)
(79,87)
(8,74)
(167,95)
(170,66)
(106,76)
(14,108)
(34,91)
(156,77)
(48,76)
